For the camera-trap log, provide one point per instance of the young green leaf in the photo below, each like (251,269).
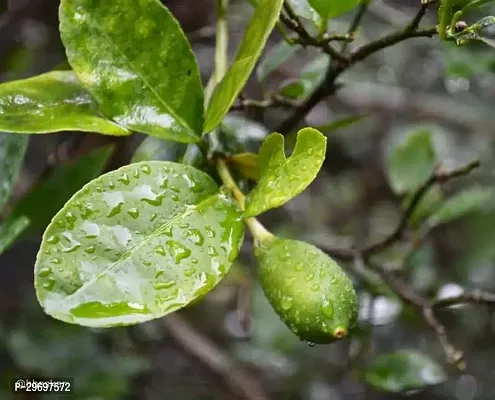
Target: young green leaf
(278,54)
(404,371)
(308,290)
(261,25)
(331,8)
(137,63)
(281,178)
(12,150)
(51,102)
(483,30)
(303,9)
(54,192)
(11,230)
(412,162)
(136,244)
(462,204)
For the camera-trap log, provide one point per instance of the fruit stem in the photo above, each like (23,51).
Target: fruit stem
(258,231)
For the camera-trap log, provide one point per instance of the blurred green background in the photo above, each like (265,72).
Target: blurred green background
(206,352)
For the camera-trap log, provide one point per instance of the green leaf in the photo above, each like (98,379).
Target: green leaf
(137,63)
(307,289)
(65,180)
(427,206)
(303,9)
(247,164)
(412,162)
(340,123)
(483,30)
(310,78)
(264,19)
(12,150)
(136,244)
(404,371)
(10,231)
(281,178)
(51,102)
(462,204)
(278,54)
(331,8)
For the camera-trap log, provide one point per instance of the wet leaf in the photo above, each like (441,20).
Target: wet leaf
(12,150)
(247,164)
(462,204)
(331,8)
(307,289)
(51,102)
(483,30)
(10,232)
(281,178)
(303,9)
(278,54)
(65,180)
(404,371)
(137,63)
(412,162)
(262,22)
(136,244)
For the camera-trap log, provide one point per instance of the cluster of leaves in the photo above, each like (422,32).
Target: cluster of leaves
(155,236)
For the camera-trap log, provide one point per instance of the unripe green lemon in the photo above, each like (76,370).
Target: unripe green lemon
(308,290)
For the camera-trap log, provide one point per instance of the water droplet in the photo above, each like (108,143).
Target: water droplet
(311,344)
(133,212)
(310,277)
(49,284)
(189,272)
(194,261)
(90,249)
(285,256)
(44,272)
(111,185)
(315,287)
(147,263)
(146,169)
(310,152)
(164,183)
(333,280)
(136,173)
(153,217)
(327,310)
(299,267)
(196,237)
(286,303)
(165,285)
(160,250)
(212,251)
(53,239)
(179,252)
(124,179)
(209,231)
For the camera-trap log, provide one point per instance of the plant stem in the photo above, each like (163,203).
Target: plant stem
(257,229)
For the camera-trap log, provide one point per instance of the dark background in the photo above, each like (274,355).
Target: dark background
(419,82)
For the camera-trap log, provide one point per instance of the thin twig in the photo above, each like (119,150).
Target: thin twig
(476,296)
(239,381)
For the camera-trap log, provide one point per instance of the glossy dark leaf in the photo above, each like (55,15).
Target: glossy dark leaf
(281,178)
(404,371)
(134,58)
(136,244)
(262,22)
(51,102)
(11,230)
(412,162)
(60,186)
(12,150)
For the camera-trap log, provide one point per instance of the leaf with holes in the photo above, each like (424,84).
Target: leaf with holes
(136,244)
(137,63)
(52,102)
(261,25)
(12,150)
(281,178)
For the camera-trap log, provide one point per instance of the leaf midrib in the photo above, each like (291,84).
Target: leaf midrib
(138,73)
(188,211)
